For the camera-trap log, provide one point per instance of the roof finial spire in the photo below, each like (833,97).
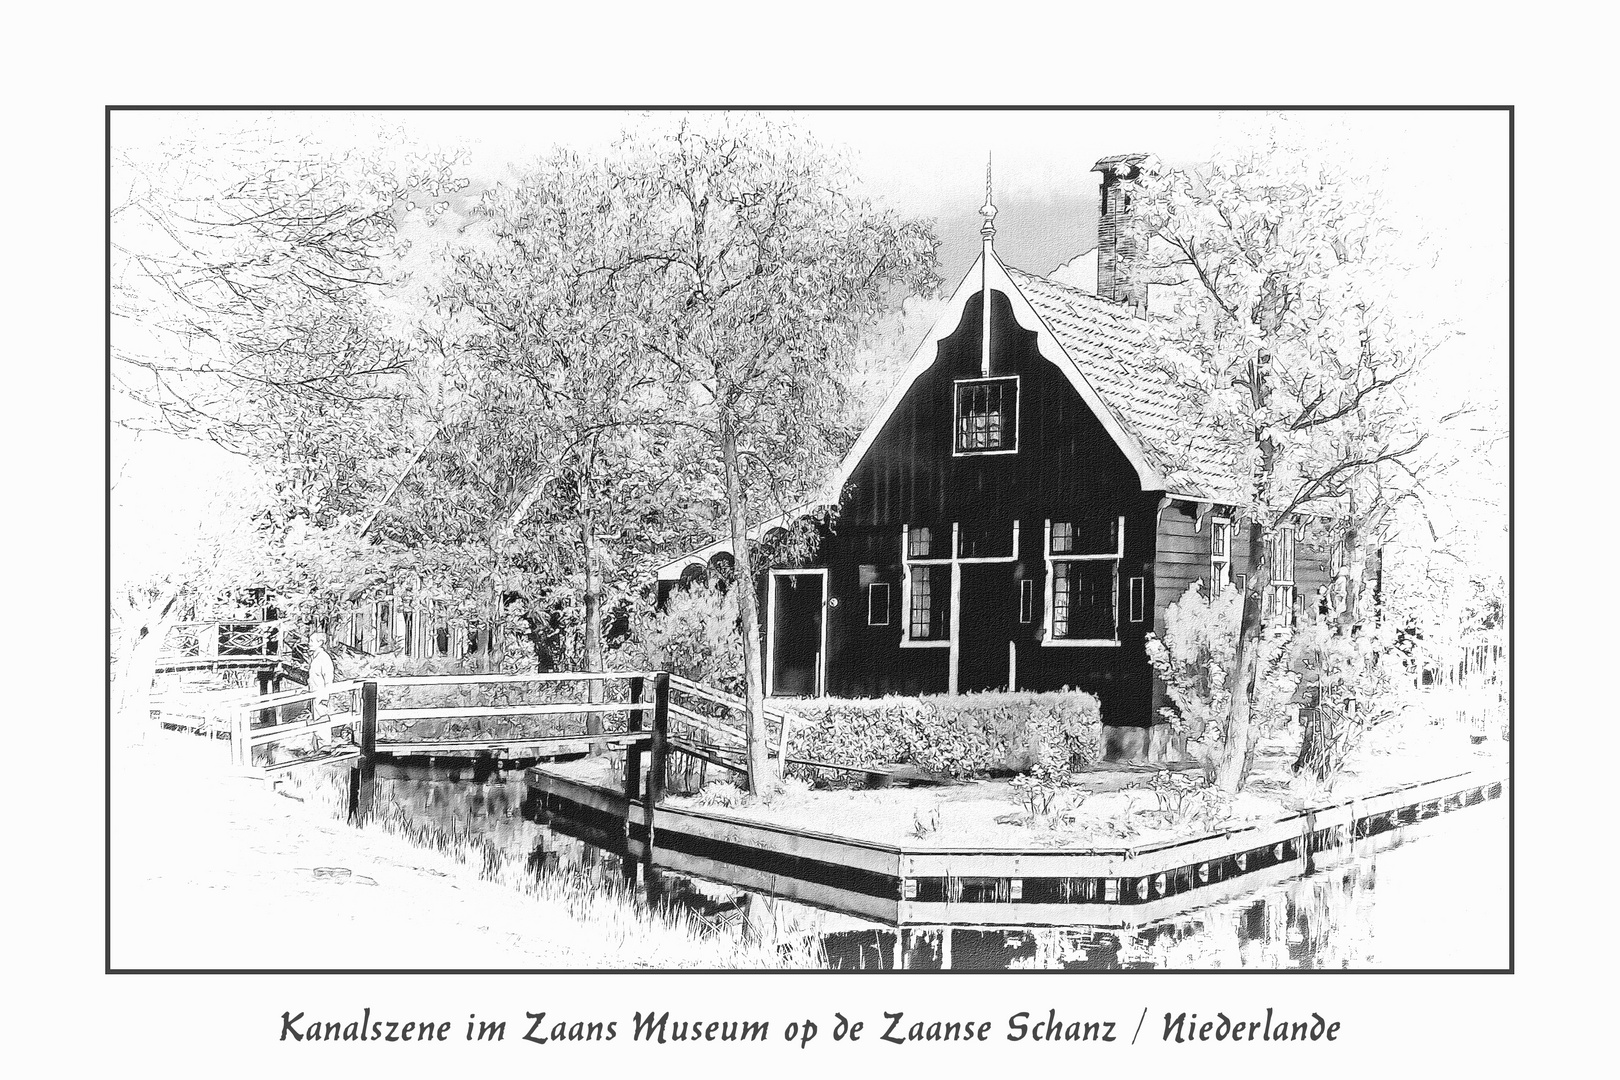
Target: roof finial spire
(988,210)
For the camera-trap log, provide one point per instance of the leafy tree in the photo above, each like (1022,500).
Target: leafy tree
(219,546)
(757,272)
(1194,658)
(533,308)
(261,303)
(1292,338)
(250,277)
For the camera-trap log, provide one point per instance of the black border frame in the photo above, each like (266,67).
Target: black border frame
(109,969)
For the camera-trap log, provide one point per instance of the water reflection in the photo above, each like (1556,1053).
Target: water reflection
(1376,907)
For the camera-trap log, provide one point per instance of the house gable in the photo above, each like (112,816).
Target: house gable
(911,470)
(988,273)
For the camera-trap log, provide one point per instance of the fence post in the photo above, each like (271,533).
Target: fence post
(241,749)
(368,729)
(632,753)
(656,767)
(660,751)
(782,743)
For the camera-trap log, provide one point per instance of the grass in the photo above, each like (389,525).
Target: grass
(603,910)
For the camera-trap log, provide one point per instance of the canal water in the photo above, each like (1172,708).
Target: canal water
(1430,896)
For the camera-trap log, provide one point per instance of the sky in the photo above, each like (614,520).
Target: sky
(1443,176)
(1445,172)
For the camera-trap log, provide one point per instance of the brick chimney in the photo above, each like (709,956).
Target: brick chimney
(1115,249)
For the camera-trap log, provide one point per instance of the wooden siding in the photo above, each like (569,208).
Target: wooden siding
(1183,556)
(1067,468)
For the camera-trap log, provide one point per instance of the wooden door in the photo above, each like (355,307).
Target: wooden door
(989,616)
(795,635)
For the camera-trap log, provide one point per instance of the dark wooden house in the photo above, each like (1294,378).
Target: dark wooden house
(1019,513)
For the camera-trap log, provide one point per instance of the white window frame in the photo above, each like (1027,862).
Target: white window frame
(952,640)
(1138,599)
(1026,601)
(1048,640)
(1277,601)
(770,626)
(1220,566)
(906,564)
(1018,414)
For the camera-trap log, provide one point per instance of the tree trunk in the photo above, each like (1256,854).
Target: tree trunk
(1236,754)
(492,627)
(1232,765)
(593,625)
(1325,744)
(748,608)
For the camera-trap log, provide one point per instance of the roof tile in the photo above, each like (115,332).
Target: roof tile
(1114,352)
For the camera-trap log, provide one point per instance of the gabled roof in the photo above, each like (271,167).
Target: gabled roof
(1105,352)
(1113,351)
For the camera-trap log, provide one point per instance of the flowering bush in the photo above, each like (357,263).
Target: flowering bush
(1185,799)
(694,636)
(1195,658)
(952,736)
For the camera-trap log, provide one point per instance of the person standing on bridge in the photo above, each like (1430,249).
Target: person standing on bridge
(321,677)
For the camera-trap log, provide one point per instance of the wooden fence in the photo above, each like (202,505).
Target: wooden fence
(262,726)
(694,726)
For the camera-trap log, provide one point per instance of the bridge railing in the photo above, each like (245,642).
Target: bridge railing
(223,637)
(630,707)
(273,720)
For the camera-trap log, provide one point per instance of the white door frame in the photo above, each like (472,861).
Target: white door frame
(770,630)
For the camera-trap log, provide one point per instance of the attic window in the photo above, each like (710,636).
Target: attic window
(987,416)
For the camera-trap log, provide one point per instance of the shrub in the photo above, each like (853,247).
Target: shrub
(1362,683)
(1185,800)
(694,636)
(1195,657)
(952,736)
(720,793)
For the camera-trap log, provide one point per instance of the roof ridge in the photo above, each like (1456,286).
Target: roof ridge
(1121,311)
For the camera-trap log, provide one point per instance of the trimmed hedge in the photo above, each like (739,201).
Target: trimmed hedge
(956,736)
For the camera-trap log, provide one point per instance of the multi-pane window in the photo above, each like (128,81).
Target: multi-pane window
(1280,595)
(1083,560)
(1083,599)
(930,616)
(927,555)
(1096,537)
(1220,553)
(986,416)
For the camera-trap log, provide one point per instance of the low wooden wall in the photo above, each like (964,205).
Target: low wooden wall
(906,885)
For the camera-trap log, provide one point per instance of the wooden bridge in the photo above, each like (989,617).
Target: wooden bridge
(583,712)
(681,728)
